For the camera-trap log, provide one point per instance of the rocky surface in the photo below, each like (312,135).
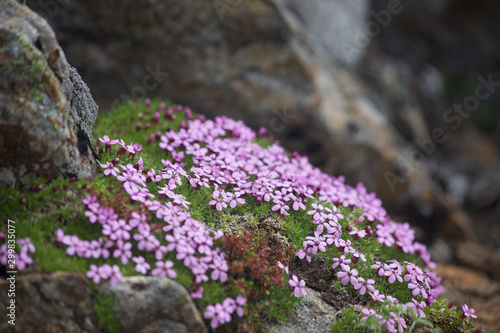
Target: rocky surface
(313,314)
(152,304)
(46,109)
(265,62)
(49,303)
(467,286)
(62,302)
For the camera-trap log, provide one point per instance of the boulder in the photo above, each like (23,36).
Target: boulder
(49,303)
(265,62)
(333,24)
(62,302)
(46,110)
(312,314)
(152,304)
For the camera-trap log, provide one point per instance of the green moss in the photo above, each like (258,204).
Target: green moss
(26,67)
(36,95)
(103,309)
(29,66)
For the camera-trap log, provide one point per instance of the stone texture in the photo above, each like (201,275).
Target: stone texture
(151,304)
(313,314)
(334,24)
(266,63)
(46,110)
(467,286)
(475,255)
(50,303)
(61,302)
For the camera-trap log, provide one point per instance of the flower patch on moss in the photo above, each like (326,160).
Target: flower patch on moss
(169,202)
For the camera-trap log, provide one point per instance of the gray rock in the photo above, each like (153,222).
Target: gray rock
(312,314)
(46,110)
(336,24)
(49,303)
(151,304)
(61,302)
(83,109)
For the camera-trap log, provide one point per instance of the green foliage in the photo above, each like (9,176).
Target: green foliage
(348,323)
(446,316)
(103,309)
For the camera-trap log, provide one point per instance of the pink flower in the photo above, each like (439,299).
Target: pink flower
(115,275)
(467,312)
(417,288)
(234,199)
(219,202)
(348,275)
(219,267)
(316,243)
(59,235)
(164,268)
(110,169)
(107,142)
(302,254)
(280,265)
(198,294)
(299,286)
(136,219)
(123,251)
(94,274)
(417,306)
(342,261)
(240,301)
(72,242)
(141,265)
(104,272)
(364,285)
(90,199)
(317,212)
(218,315)
(376,296)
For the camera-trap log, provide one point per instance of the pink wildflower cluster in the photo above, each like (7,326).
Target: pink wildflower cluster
(187,237)
(390,233)
(236,170)
(221,313)
(10,258)
(393,324)
(226,160)
(298,286)
(269,175)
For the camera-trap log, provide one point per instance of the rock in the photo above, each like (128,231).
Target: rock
(151,304)
(334,24)
(264,62)
(46,109)
(49,302)
(312,314)
(467,286)
(61,302)
(477,256)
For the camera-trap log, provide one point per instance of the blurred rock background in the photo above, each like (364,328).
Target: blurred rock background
(377,91)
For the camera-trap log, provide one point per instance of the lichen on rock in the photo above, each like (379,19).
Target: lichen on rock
(46,110)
